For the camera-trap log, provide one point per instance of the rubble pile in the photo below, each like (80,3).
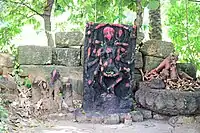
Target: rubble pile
(33,102)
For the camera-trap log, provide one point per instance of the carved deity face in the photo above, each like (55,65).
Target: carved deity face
(108,33)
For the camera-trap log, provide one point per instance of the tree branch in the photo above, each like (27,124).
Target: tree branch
(23,4)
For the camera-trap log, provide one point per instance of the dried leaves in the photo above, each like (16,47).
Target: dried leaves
(182,85)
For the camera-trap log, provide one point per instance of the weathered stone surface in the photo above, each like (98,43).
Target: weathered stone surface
(147,114)
(123,116)
(112,119)
(34,55)
(82,55)
(188,68)
(138,77)
(179,120)
(168,102)
(67,56)
(8,85)
(77,87)
(128,122)
(138,60)
(45,70)
(157,84)
(137,71)
(66,39)
(81,118)
(6,60)
(56,116)
(74,73)
(137,116)
(7,70)
(151,62)
(197,119)
(1,71)
(140,37)
(157,48)
(97,119)
(160,117)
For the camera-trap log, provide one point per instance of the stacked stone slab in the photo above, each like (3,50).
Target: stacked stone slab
(65,57)
(154,51)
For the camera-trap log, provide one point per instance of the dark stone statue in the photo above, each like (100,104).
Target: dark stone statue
(108,66)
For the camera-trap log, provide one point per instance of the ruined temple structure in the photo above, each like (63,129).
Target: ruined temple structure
(108,67)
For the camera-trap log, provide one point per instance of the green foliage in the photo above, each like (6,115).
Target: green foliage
(3,118)
(103,11)
(27,82)
(16,13)
(180,28)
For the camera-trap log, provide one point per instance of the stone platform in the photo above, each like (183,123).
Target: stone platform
(168,102)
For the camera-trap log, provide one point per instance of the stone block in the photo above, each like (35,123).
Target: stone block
(151,62)
(157,84)
(66,39)
(138,60)
(137,116)
(67,56)
(97,119)
(179,120)
(157,48)
(112,119)
(138,77)
(168,102)
(147,114)
(74,73)
(56,116)
(128,122)
(34,55)
(160,117)
(45,70)
(77,87)
(140,37)
(137,71)
(8,85)
(197,119)
(124,116)
(7,70)
(6,60)
(188,68)
(81,118)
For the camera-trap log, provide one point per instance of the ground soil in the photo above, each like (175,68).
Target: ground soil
(148,126)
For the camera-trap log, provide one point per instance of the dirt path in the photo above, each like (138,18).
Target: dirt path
(149,126)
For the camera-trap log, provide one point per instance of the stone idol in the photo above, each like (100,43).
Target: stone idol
(109,52)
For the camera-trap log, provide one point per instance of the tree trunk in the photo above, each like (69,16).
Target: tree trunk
(155,24)
(139,18)
(47,22)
